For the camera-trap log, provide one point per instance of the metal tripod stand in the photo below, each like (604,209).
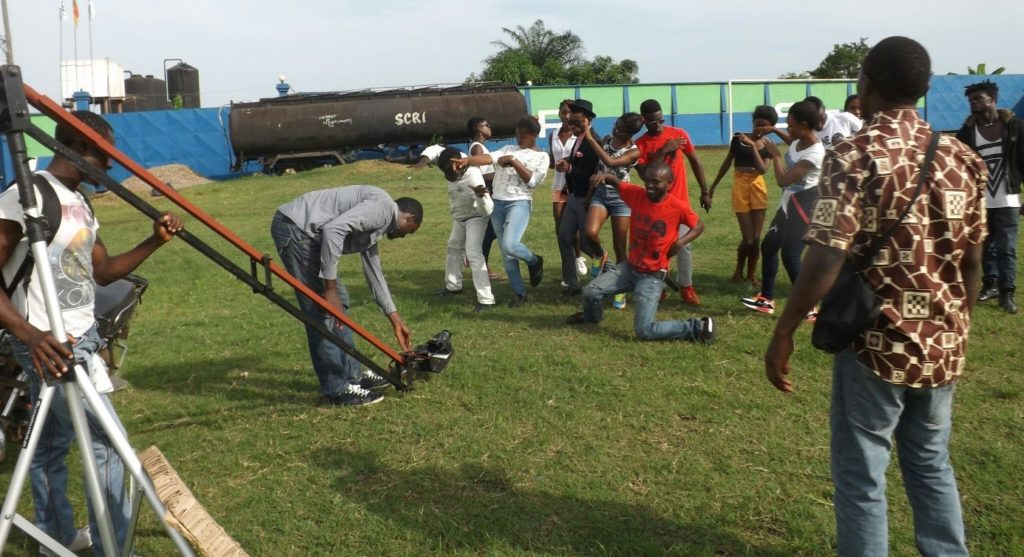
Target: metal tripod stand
(14,120)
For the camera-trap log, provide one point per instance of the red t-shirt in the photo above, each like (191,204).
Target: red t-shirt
(648,145)
(653,227)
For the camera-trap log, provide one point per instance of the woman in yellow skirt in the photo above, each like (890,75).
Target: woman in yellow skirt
(750,158)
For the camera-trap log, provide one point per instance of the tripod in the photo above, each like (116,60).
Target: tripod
(14,120)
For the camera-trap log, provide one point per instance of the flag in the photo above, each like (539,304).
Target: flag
(92,9)
(74,11)
(63,11)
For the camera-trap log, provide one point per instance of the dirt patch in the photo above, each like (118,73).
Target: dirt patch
(177,176)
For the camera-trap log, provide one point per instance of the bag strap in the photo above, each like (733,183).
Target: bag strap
(863,261)
(52,214)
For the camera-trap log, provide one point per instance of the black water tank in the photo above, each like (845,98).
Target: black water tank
(184,80)
(145,93)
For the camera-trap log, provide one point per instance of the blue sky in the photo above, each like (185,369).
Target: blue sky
(240,47)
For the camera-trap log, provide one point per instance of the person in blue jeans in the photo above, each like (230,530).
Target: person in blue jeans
(518,170)
(893,385)
(311,233)
(653,240)
(79,261)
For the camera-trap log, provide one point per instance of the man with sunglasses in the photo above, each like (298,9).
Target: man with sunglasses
(664,143)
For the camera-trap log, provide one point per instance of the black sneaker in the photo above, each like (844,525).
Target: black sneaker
(987,294)
(517,301)
(444,292)
(707,331)
(480,308)
(1006,303)
(575,319)
(354,395)
(373,381)
(569,293)
(537,271)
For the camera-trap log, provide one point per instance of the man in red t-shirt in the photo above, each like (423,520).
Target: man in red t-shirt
(657,216)
(664,143)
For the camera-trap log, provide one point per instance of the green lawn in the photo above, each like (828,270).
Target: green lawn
(539,439)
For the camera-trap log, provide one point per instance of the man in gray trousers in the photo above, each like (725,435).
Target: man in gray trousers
(311,233)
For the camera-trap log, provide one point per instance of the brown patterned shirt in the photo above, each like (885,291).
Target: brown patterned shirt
(866,183)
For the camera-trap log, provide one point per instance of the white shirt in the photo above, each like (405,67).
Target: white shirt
(486,169)
(814,154)
(507,185)
(997,194)
(70,255)
(464,203)
(559,151)
(838,126)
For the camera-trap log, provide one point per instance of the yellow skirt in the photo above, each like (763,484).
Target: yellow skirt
(749,192)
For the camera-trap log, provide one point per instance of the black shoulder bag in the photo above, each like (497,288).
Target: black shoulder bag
(850,306)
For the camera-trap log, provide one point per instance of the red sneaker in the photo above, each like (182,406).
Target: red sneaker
(689,295)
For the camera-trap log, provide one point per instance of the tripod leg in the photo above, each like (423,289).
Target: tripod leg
(132,464)
(97,496)
(28,450)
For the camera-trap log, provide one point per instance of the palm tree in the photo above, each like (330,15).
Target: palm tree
(541,45)
(980,70)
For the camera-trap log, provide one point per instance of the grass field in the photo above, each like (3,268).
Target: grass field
(539,439)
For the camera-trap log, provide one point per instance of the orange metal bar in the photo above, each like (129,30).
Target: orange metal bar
(45,105)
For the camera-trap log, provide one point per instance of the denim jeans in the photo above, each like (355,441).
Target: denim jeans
(300,255)
(465,241)
(1000,259)
(867,412)
(574,217)
(646,289)
(510,219)
(49,471)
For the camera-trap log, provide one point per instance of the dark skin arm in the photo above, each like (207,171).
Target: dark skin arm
(690,236)
(698,171)
(107,269)
(819,270)
(783,176)
(402,332)
(721,173)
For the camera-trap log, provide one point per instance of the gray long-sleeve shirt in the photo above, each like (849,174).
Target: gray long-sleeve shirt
(348,220)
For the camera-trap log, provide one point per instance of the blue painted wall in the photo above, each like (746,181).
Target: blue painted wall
(198,139)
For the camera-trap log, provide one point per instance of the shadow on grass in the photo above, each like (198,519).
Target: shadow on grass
(479,509)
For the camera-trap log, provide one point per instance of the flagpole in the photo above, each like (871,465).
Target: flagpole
(60,49)
(74,5)
(7,34)
(92,60)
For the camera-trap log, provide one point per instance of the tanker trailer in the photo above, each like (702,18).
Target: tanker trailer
(312,128)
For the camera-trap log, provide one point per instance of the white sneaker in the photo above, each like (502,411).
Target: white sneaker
(83,540)
(581,266)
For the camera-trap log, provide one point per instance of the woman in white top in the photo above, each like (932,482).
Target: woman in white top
(479,132)
(518,170)
(799,183)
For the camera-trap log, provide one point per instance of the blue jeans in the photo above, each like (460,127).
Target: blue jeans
(300,255)
(1000,259)
(646,289)
(49,471)
(785,234)
(510,219)
(608,197)
(867,412)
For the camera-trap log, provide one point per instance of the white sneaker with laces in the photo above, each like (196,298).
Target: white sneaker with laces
(581,266)
(82,540)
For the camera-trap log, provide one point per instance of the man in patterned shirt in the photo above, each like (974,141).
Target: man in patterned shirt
(897,378)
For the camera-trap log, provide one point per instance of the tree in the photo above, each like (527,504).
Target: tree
(980,70)
(843,62)
(540,44)
(540,56)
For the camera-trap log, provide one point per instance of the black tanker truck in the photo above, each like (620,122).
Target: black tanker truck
(310,129)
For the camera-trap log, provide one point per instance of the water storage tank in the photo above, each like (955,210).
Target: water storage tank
(144,93)
(183,79)
(328,122)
